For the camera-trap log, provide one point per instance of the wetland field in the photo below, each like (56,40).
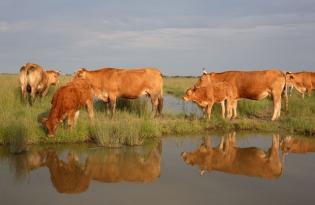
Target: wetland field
(20,124)
(178,158)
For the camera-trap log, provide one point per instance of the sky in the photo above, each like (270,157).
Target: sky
(180,37)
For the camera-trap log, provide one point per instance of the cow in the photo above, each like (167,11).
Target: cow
(36,81)
(254,85)
(302,81)
(297,145)
(228,158)
(111,83)
(66,103)
(205,97)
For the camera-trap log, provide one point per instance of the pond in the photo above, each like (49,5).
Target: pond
(228,169)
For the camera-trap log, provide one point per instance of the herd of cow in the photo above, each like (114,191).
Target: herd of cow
(107,84)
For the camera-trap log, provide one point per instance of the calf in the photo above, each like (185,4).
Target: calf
(67,101)
(205,97)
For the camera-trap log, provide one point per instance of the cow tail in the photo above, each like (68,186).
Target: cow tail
(160,103)
(286,94)
(28,87)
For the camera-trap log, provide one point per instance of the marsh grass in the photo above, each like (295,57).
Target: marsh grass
(133,124)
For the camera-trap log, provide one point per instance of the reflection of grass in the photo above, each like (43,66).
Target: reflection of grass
(133,123)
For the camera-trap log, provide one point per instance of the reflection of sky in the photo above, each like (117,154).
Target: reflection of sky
(179,36)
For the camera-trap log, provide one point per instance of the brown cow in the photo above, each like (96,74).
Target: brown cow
(35,80)
(249,161)
(254,85)
(205,97)
(67,101)
(297,145)
(110,83)
(302,81)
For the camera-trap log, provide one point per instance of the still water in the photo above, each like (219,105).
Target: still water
(228,169)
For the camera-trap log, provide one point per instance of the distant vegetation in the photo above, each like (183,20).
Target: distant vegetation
(133,124)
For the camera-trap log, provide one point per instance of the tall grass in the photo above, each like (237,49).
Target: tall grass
(133,124)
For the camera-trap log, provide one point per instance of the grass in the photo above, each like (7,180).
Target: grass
(133,123)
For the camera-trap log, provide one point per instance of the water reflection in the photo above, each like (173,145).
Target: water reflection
(72,174)
(297,145)
(228,158)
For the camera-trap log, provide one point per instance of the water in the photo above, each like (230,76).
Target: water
(249,169)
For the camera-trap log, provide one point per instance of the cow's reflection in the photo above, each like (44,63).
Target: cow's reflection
(227,157)
(104,165)
(297,145)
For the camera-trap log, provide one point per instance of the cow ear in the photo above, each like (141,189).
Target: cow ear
(82,69)
(44,120)
(183,154)
(204,72)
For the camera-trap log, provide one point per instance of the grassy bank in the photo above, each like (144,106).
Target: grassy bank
(133,124)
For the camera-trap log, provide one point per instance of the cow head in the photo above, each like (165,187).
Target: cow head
(188,94)
(53,76)
(201,157)
(51,126)
(81,73)
(296,81)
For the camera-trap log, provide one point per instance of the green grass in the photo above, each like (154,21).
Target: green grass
(133,123)
(177,86)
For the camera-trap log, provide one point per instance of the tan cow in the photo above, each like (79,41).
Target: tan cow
(35,80)
(111,83)
(302,81)
(249,161)
(254,85)
(66,103)
(297,145)
(205,97)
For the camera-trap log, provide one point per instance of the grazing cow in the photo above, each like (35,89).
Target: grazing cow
(302,81)
(297,145)
(35,80)
(249,161)
(254,85)
(110,83)
(205,97)
(67,101)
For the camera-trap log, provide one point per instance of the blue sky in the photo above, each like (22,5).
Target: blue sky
(178,36)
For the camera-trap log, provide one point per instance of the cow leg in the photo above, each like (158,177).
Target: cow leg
(76,116)
(229,108)
(45,91)
(309,92)
(33,94)
(274,150)
(89,105)
(223,109)
(24,93)
(235,108)
(154,103)
(221,146)
(71,116)
(209,109)
(276,105)
(112,105)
